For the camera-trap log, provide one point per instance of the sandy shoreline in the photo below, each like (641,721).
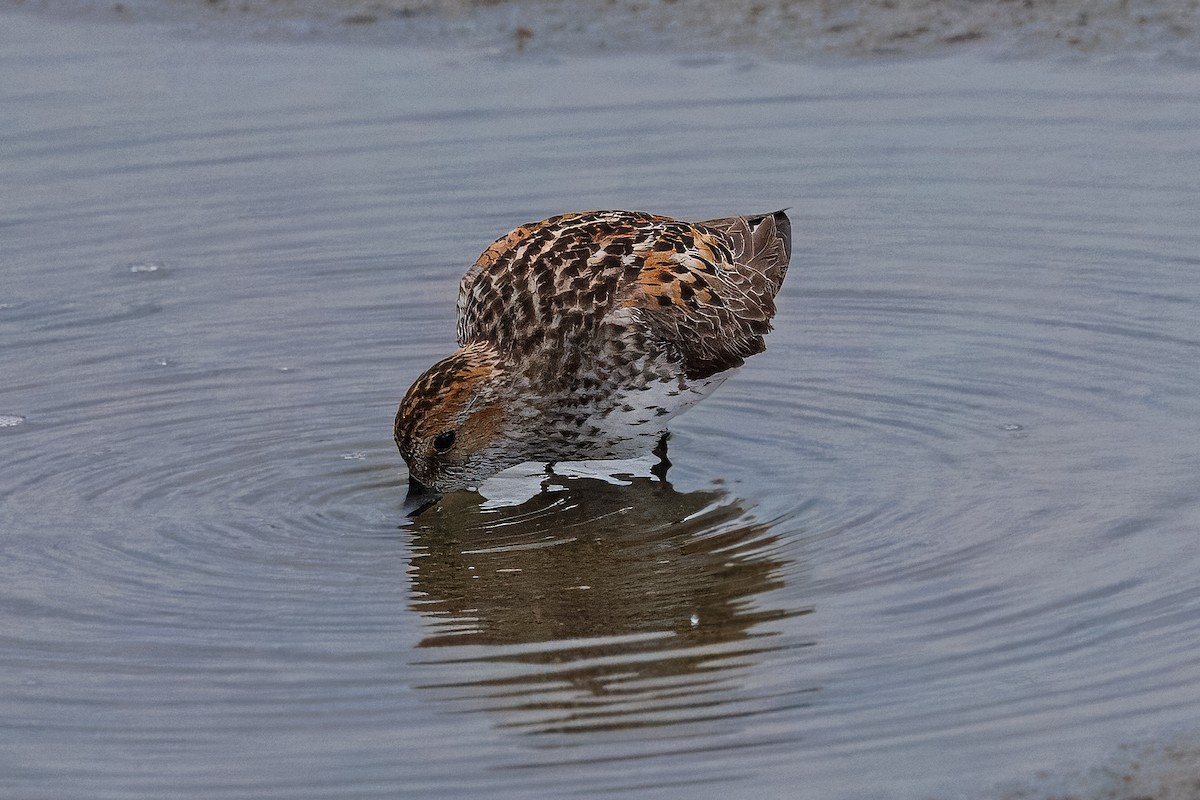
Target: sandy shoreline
(785,29)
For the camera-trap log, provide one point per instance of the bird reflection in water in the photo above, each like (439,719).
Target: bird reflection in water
(594,605)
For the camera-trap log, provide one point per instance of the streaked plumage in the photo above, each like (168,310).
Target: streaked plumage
(582,334)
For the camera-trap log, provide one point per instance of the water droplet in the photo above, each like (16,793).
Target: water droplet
(163,362)
(695,620)
(10,420)
(139,267)
(357,455)
(1012,427)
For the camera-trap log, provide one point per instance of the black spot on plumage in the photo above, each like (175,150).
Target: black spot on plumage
(518,270)
(664,300)
(620,246)
(525,306)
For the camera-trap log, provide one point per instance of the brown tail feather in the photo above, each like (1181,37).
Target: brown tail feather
(762,241)
(771,245)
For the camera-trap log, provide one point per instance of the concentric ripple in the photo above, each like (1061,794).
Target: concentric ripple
(937,538)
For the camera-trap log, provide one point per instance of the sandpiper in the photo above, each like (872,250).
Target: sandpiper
(581,335)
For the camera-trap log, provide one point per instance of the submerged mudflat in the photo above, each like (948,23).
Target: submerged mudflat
(1151,30)
(938,539)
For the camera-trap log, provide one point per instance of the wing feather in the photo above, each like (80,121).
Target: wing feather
(714,297)
(702,291)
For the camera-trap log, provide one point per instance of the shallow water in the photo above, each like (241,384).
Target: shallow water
(942,535)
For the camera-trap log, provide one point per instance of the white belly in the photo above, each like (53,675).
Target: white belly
(640,413)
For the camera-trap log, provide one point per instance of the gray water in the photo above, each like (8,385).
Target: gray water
(940,538)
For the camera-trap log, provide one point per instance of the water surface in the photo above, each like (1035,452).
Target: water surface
(941,536)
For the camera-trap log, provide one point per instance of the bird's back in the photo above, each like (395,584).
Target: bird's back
(705,291)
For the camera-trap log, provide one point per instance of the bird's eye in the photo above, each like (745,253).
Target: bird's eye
(443,441)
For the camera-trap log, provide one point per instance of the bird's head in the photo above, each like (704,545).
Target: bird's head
(453,426)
